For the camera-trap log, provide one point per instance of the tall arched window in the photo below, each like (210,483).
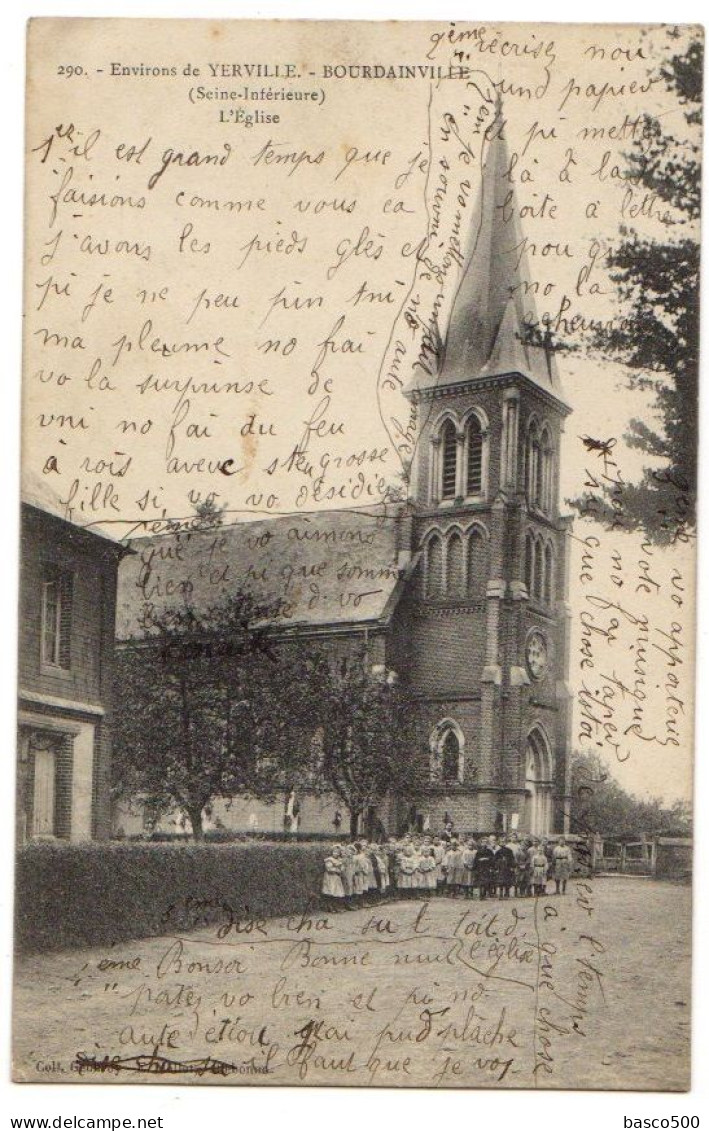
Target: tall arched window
(548,573)
(455,565)
(449,460)
(538,488)
(546,471)
(447,747)
(529,564)
(450,757)
(538,568)
(474,473)
(477,563)
(434,566)
(532,470)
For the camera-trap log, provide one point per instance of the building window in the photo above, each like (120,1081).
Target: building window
(449,460)
(529,564)
(477,563)
(450,757)
(56,618)
(548,572)
(545,486)
(434,566)
(539,475)
(538,489)
(447,745)
(538,569)
(51,620)
(475,457)
(532,462)
(456,565)
(458,458)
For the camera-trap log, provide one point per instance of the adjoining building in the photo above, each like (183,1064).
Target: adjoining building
(462,590)
(68,578)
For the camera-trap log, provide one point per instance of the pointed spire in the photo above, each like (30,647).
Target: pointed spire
(486,331)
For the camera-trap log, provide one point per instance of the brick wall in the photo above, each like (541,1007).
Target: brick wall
(470,812)
(446,647)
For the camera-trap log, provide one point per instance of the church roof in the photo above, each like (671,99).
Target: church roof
(332,568)
(494,302)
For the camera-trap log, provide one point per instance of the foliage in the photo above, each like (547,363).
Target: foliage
(207,699)
(658,339)
(214,704)
(70,895)
(369,742)
(600,805)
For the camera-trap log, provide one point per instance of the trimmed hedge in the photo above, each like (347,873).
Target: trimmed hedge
(99,894)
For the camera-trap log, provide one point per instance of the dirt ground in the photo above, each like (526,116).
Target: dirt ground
(587,990)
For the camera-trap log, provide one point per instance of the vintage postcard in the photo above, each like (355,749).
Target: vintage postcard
(356,658)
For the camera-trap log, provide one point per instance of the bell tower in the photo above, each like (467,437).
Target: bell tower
(488,614)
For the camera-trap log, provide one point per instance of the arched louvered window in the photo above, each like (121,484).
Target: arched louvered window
(434,566)
(533,469)
(529,564)
(538,568)
(474,480)
(538,495)
(455,565)
(449,460)
(546,471)
(477,563)
(548,573)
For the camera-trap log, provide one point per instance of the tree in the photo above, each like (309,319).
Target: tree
(600,805)
(208,702)
(369,744)
(658,338)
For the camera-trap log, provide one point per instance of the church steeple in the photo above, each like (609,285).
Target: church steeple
(494,302)
(489,637)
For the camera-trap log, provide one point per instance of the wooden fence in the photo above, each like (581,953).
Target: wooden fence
(657,856)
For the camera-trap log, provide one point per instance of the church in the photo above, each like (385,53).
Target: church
(461,590)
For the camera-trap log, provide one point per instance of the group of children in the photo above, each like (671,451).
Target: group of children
(424,865)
